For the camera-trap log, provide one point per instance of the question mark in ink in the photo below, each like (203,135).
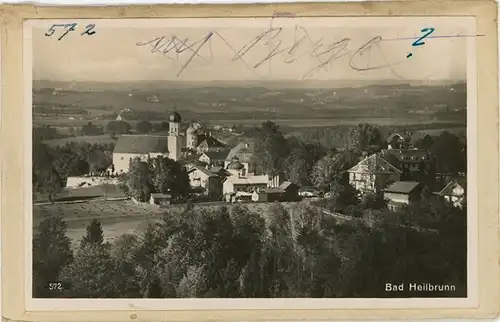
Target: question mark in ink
(419,41)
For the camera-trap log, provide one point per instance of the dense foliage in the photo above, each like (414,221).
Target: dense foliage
(53,165)
(297,251)
(160,175)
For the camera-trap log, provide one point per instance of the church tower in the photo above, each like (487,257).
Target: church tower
(174,139)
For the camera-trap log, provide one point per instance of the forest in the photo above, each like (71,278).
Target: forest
(233,253)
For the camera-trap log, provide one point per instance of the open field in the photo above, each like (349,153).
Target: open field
(117,217)
(83,193)
(100,139)
(213,104)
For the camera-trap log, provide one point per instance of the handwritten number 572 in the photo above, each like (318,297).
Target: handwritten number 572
(89,30)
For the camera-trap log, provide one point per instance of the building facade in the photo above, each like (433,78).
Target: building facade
(372,174)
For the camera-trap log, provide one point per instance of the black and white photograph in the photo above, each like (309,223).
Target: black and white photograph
(251,158)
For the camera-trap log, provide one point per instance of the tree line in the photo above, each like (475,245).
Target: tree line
(296,251)
(308,162)
(53,165)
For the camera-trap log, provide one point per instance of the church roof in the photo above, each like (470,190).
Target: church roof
(174,117)
(141,144)
(374,164)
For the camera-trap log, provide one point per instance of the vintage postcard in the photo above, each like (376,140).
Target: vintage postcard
(271,161)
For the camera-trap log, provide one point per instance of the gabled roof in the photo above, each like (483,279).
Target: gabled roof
(448,189)
(211,142)
(374,164)
(402,187)
(244,151)
(272,190)
(216,155)
(203,170)
(285,185)
(141,144)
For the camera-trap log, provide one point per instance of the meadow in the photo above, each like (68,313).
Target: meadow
(118,216)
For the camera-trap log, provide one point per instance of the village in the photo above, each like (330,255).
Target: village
(218,172)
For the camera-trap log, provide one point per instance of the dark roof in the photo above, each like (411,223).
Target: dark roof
(174,117)
(215,169)
(402,186)
(285,185)
(217,155)
(211,142)
(141,144)
(235,165)
(272,190)
(202,169)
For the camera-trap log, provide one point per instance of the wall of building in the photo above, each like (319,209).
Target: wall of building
(175,147)
(397,197)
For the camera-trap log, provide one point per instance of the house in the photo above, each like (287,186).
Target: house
(210,183)
(291,191)
(399,141)
(244,152)
(402,193)
(248,184)
(209,143)
(160,199)
(269,195)
(214,158)
(455,191)
(129,147)
(410,161)
(372,174)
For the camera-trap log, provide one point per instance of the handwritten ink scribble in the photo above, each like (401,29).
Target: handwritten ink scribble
(419,41)
(277,43)
(89,30)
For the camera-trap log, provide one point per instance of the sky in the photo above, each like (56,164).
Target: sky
(331,49)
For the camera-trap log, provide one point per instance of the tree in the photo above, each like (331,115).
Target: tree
(364,136)
(138,180)
(301,159)
(92,274)
(425,144)
(91,129)
(144,127)
(450,154)
(375,201)
(343,195)
(270,147)
(169,176)
(118,127)
(45,177)
(51,252)
(333,167)
(94,233)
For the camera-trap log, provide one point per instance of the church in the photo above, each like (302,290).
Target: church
(144,146)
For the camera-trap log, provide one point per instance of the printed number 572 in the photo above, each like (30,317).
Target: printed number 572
(55,286)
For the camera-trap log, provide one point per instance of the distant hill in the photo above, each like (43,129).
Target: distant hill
(141,85)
